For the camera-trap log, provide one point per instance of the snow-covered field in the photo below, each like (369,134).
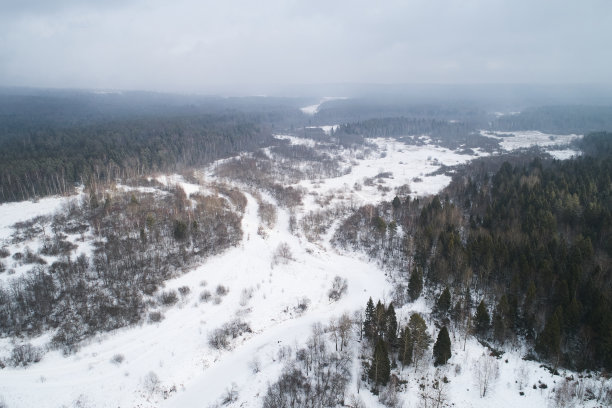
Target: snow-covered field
(171,364)
(522,139)
(313,109)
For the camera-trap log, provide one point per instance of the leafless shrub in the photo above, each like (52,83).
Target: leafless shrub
(4,252)
(168,298)
(231,395)
(255,365)
(25,354)
(267,214)
(221,290)
(284,353)
(245,296)
(155,317)
(205,296)
(565,394)
(338,289)
(486,372)
(151,383)
(282,254)
(220,337)
(184,291)
(302,305)
(117,359)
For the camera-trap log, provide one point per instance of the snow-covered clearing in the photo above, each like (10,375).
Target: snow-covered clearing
(171,364)
(313,109)
(523,139)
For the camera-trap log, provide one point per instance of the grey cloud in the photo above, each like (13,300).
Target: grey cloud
(191,45)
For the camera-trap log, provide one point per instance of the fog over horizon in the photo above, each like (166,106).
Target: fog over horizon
(190,46)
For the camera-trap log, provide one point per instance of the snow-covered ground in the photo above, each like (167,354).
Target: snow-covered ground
(522,139)
(171,364)
(313,109)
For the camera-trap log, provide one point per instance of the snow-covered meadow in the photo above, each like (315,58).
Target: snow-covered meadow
(170,363)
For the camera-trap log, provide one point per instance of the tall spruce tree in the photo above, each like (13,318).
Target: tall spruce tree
(549,341)
(442,347)
(391,326)
(443,303)
(415,284)
(368,322)
(406,346)
(482,320)
(380,320)
(380,370)
(420,338)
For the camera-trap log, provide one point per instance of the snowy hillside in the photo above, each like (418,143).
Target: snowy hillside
(242,314)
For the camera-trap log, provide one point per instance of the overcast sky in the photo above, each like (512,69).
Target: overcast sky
(199,45)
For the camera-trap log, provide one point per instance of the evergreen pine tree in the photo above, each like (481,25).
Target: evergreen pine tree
(482,319)
(380,369)
(549,341)
(391,326)
(415,284)
(499,328)
(443,303)
(368,322)
(442,347)
(501,319)
(380,320)
(420,337)
(406,345)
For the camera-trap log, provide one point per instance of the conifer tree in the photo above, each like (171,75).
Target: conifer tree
(406,345)
(549,341)
(442,347)
(420,337)
(380,369)
(415,284)
(482,319)
(368,322)
(443,303)
(380,320)
(391,326)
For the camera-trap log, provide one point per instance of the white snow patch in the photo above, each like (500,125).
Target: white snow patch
(313,109)
(522,139)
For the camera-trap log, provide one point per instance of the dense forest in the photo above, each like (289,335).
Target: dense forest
(566,119)
(529,244)
(50,160)
(451,134)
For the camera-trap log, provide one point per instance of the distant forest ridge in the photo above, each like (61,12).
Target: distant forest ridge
(46,160)
(52,140)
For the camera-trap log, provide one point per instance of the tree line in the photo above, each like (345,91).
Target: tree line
(46,159)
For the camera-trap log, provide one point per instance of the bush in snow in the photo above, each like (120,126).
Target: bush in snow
(168,298)
(486,372)
(25,354)
(155,317)
(222,290)
(282,254)
(151,383)
(220,337)
(231,395)
(184,291)
(117,359)
(338,289)
(255,365)
(205,296)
